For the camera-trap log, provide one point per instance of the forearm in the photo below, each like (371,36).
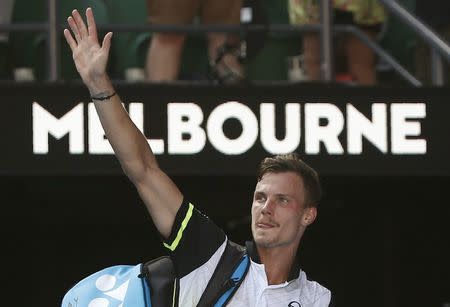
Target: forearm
(159,193)
(130,146)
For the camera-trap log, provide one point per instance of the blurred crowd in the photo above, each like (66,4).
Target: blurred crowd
(354,62)
(6,8)
(435,13)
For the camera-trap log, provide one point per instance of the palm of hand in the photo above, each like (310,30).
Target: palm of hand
(90,59)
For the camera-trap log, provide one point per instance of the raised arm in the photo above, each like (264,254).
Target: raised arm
(160,195)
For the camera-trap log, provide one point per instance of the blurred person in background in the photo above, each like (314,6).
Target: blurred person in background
(436,14)
(165,51)
(6,10)
(367,15)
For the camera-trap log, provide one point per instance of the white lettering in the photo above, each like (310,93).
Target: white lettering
(45,123)
(315,133)
(324,123)
(358,126)
(182,119)
(402,128)
(248,121)
(292,127)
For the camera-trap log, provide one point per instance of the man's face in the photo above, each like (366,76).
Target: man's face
(279,216)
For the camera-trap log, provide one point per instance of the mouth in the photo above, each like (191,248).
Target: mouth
(264,225)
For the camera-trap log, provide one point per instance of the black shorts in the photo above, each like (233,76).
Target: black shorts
(346,18)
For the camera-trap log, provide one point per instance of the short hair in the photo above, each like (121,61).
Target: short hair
(292,163)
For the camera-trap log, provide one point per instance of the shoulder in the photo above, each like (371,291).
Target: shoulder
(193,240)
(312,291)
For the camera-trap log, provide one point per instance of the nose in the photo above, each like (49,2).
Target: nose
(268,207)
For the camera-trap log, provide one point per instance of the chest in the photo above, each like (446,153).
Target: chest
(255,291)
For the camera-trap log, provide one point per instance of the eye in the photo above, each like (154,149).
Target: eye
(283,200)
(260,198)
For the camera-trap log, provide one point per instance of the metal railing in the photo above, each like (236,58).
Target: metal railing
(325,28)
(438,46)
(51,27)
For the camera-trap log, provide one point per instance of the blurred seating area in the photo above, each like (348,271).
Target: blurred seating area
(24,55)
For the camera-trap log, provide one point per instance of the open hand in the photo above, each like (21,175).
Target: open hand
(90,58)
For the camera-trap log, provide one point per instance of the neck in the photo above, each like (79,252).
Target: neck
(277,262)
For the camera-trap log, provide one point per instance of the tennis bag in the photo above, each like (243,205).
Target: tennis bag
(154,284)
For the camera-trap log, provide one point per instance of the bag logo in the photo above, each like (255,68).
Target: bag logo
(106,284)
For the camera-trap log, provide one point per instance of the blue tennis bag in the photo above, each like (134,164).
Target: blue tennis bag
(154,284)
(115,286)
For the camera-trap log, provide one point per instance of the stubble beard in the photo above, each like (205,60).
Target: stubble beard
(271,240)
(265,240)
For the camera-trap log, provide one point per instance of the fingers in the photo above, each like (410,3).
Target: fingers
(106,45)
(82,30)
(72,43)
(92,27)
(74,28)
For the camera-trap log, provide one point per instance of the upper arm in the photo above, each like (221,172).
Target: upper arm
(161,197)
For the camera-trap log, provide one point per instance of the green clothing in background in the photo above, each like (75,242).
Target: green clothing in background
(365,12)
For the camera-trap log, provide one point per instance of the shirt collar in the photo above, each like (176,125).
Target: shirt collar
(253,253)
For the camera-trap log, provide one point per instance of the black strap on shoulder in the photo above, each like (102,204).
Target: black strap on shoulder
(159,274)
(220,280)
(160,277)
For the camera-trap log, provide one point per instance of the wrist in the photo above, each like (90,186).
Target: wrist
(100,86)
(103,96)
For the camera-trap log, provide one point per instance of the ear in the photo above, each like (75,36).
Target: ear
(309,216)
